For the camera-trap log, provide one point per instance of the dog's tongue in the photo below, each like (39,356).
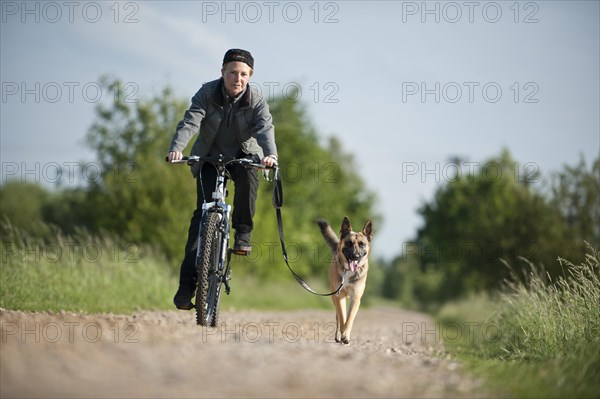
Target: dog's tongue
(353,265)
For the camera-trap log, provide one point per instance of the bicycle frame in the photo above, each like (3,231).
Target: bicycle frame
(218,204)
(213,272)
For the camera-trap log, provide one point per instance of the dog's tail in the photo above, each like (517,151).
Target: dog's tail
(329,234)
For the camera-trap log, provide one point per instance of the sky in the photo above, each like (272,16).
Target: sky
(405,85)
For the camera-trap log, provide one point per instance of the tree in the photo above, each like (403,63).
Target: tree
(145,200)
(476,220)
(575,195)
(22,205)
(138,195)
(318,182)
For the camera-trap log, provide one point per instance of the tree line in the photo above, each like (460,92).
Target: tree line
(142,199)
(474,226)
(483,229)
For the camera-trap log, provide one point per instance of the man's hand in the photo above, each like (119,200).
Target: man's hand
(175,156)
(269,160)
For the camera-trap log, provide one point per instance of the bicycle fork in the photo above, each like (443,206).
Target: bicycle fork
(225,251)
(224,268)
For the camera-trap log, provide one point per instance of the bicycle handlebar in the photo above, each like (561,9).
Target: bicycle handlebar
(192,159)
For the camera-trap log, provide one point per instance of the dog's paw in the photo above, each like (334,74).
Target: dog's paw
(345,341)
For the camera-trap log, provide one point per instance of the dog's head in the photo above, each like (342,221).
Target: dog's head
(354,246)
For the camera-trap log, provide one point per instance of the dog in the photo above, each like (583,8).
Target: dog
(350,260)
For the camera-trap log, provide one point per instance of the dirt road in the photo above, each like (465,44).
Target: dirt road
(393,353)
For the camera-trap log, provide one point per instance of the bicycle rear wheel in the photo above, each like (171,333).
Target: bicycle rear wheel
(210,275)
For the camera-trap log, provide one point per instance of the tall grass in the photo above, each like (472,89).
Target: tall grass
(545,340)
(548,318)
(81,272)
(104,273)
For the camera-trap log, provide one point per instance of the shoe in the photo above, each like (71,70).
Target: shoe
(242,244)
(184,306)
(183,298)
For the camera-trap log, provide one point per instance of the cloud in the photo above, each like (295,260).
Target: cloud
(171,43)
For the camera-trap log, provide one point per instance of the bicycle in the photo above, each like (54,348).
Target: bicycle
(213,255)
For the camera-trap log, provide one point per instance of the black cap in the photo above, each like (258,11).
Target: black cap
(236,54)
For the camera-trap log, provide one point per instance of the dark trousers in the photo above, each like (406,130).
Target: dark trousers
(244,206)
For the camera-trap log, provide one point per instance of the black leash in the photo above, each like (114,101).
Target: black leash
(278,203)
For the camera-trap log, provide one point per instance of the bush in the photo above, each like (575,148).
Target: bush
(543,339)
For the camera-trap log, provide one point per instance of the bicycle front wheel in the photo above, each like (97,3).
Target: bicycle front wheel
(210,274)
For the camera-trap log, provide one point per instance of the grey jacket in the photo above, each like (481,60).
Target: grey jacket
(255,131)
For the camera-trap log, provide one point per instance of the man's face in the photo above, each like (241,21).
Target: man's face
(236,75)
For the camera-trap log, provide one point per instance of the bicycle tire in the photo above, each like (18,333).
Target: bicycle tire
(208,295)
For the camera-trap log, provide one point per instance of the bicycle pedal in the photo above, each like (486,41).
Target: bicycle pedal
(240,252)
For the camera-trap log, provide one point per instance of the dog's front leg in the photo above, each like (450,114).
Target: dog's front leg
(340,316)
(353,310)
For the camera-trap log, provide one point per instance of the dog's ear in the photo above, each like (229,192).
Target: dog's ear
(367,230)
(346,227)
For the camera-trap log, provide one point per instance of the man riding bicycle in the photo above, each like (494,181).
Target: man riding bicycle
(232,119)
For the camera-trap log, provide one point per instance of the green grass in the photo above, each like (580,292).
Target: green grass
(90,273)
(247,292)
(81,273)
(538,338)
